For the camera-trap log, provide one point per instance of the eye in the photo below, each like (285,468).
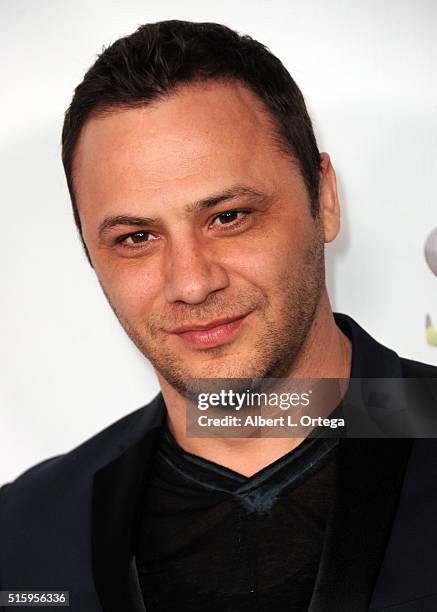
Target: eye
(230,219)
(227,217)
(135,239)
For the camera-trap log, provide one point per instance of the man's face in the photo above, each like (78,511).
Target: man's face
(193,218)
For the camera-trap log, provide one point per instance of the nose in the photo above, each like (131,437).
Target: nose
(191,272)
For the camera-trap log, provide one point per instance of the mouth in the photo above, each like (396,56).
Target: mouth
(208,335)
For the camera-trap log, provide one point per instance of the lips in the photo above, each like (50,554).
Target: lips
(207,326)
(212,334)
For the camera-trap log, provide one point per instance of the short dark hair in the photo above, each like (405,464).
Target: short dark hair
(158,57)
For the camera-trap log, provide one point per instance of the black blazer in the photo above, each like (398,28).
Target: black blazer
(68,523)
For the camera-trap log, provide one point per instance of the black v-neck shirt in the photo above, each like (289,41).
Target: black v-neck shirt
(210,538)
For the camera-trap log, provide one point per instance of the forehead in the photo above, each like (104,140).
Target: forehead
(200,135)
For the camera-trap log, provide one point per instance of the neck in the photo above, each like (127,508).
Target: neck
(326,353)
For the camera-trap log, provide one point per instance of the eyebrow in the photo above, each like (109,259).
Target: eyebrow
(232,193)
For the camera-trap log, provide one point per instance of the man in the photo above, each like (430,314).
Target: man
(203,205)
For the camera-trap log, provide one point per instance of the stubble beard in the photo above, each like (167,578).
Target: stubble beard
(275,350)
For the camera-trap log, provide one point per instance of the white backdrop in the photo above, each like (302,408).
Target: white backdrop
(368,73)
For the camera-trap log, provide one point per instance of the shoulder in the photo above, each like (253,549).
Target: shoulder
(371,359)
(417,369)
(78,465)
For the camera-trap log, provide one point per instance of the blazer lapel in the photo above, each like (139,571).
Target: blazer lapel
(116,491)
(370,474)
(135,588)
(369,479)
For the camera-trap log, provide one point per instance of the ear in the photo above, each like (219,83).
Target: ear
(329,205)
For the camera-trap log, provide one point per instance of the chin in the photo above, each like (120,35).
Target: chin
(232,368)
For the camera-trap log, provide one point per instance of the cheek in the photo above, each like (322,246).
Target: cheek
(131,288)
(268,256)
